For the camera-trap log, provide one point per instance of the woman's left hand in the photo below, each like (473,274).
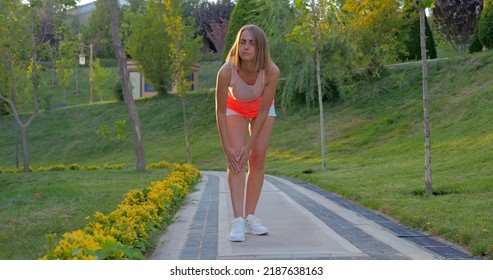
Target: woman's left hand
(243,156)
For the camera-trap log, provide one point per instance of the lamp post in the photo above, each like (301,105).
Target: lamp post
(82,61)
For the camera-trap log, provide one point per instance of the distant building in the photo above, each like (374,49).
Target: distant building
(83,12)
(142,88)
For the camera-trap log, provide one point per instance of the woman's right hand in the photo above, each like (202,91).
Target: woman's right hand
(233,162)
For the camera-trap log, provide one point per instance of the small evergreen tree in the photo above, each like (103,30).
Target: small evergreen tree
(412,43)
(485,31)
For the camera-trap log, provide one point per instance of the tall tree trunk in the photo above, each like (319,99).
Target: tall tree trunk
(127,94)
(319,86)
(23,128)
(185,123)
(14,94)
(25,152)
(321,105)
(35,78)
(77,78)
(426,100)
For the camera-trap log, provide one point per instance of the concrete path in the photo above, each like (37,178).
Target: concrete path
(304,222)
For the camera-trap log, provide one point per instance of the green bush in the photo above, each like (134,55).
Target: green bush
(118,91)
(161,165)
(75,166)
(476,45)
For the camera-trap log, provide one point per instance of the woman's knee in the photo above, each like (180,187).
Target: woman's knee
(257,160)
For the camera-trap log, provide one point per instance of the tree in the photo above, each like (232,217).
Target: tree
(315,20)
(34,11)
(212,20)
(127,94)
(373,27)
(217,34)
(184,54)
(52,22)
(134,5)
(65,64)
(422,5)
(457,20)
(14,49)
(486,25)
(277,18)
(148,44)
(97,31)
(101,77)
(188,7)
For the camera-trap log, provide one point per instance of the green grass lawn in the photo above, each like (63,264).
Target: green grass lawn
(54,202)
(375,153)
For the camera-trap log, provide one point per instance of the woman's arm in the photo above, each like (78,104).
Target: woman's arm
(222,83)
(272,74)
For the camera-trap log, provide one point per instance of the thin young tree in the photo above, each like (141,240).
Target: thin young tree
(184,54)
(65,65)
(13,50)
(422,5)
(127,94)
(315,20)
(37,33)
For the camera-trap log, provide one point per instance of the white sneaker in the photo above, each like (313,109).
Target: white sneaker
(254,226)
(237,233)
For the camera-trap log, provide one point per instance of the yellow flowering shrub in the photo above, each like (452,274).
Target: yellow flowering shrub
(126,232)
(76,245)
(13,170)
(114,166)
(57,167)
(91,167)
(74,166)
(162,164)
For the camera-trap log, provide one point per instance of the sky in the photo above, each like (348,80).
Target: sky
(82,2)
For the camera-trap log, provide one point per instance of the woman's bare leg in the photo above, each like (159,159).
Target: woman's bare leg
(237,132)
(256,165)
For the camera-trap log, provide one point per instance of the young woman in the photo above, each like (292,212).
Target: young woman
(245,89)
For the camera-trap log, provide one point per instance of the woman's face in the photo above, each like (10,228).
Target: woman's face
(248,46)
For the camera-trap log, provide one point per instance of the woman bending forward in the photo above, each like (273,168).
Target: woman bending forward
(245,89)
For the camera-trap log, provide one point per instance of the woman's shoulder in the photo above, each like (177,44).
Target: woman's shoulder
(272,70)
(224,75)
(225,70)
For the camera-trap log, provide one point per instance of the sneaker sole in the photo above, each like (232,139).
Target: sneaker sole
(258,233)
(237,240)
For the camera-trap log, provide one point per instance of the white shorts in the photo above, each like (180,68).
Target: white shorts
(272,112)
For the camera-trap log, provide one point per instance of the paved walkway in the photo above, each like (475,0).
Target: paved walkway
(304,222)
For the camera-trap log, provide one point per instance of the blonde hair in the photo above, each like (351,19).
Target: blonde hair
(263,58)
